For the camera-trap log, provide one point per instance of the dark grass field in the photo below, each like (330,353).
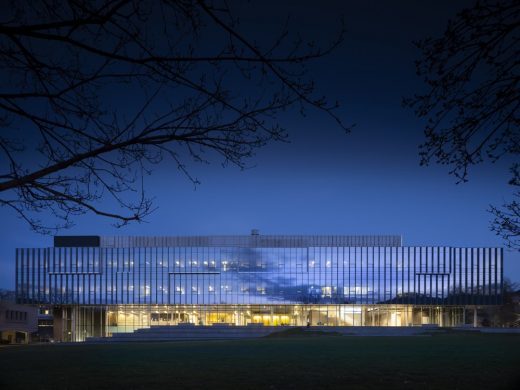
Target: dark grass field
(451,361)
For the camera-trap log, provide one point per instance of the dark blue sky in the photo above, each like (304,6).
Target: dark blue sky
(323,181)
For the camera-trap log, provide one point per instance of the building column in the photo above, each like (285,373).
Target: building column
(475,317)
(57,318)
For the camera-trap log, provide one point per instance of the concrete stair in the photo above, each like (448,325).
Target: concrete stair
(228,332)
(191,332)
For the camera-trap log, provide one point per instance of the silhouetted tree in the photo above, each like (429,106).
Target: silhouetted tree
(94,93)
(472,101)
(508,313)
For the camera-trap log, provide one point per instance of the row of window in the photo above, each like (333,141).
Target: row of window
(400,273)
(94,260)
(15,315)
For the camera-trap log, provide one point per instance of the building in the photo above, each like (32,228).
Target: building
(96,286)
(17,322)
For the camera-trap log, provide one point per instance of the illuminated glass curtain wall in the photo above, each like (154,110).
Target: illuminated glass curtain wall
(242,275)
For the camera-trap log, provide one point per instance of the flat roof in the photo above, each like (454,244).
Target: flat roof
(254,240)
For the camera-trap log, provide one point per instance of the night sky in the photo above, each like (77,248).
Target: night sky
(325,181)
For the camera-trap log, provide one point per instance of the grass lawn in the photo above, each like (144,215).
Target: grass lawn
(451,361)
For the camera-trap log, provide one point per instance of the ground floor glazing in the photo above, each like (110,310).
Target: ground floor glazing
(76,323)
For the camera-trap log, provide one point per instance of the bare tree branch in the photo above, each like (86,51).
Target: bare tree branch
(95,93)
(473,97)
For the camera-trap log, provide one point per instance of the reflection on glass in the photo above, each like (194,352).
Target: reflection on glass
(294,285)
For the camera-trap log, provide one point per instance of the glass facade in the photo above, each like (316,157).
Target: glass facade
(134,282)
